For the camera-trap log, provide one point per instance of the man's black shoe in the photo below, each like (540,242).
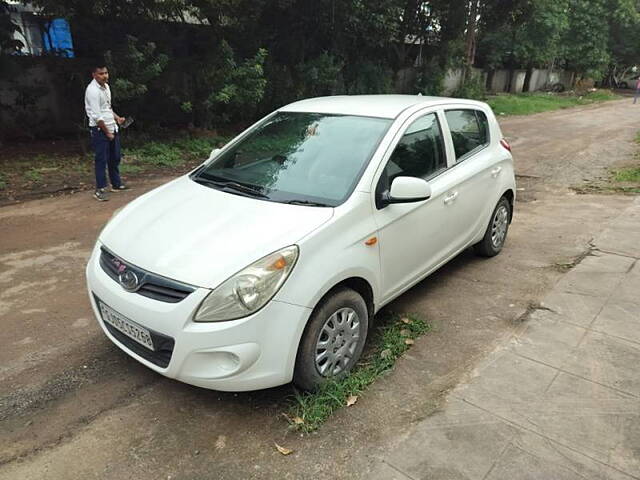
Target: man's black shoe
(101,195)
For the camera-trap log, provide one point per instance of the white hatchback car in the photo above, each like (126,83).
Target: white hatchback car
(267,263)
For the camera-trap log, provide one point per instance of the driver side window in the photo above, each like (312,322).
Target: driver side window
(419,153)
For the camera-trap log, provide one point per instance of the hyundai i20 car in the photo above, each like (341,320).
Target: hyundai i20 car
(267,263)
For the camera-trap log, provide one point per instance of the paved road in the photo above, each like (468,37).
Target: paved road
(73,406)
(561,398)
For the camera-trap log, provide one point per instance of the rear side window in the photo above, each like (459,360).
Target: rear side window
(469,130)
(420,152)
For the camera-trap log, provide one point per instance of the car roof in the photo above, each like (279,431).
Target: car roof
(382,106)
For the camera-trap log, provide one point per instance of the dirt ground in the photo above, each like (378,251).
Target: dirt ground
(72,405)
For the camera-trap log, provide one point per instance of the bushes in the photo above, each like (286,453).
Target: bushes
(368,77)
(319,76)
(430,78)
(472,88)
(133,68)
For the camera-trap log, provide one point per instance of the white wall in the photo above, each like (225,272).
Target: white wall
(539,79)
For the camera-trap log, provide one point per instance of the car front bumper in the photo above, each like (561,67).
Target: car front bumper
(251,353)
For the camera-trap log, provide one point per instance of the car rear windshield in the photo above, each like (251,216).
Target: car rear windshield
(298,158)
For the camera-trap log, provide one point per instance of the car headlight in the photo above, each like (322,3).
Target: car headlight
(250,289)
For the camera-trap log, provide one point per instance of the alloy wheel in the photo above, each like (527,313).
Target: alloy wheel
(337,342)
(499,226)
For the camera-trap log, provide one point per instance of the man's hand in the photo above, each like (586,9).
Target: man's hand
(120,120)
(105,130)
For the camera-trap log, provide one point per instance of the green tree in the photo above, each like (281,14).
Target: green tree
(587,38)
(133,68)
(82,9)
(523,34)
(221,89)
(624,38)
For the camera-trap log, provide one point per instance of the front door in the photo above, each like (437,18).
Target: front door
(414,237)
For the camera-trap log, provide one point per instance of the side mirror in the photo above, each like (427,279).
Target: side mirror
(213,153)
(407,190)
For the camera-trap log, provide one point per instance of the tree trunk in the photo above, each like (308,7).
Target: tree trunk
(509,84)
(527,79)
(470,49)
(472,25)
(490,76)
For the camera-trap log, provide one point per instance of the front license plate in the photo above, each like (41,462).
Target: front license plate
(126,326)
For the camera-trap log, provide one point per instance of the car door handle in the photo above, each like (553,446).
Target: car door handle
(496,171)
(450,198)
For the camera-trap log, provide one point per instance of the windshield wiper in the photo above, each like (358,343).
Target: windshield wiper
(241,187)
(238,187)
(308,203)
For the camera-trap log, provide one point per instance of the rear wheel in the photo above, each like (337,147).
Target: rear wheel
(496,233)
(333,339)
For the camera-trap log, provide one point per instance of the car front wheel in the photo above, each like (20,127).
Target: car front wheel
(496,233)
(333,339)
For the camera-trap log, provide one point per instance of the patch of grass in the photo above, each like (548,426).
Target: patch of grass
(529,103)
(81,166)
(627,175)
(624,180)
(174,153)
(598,96)
(33,175)
(129,168)
(163,151)
(157,154)
(389,341)
(199,147)
(606,189)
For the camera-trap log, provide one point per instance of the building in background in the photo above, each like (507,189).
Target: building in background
(40,35)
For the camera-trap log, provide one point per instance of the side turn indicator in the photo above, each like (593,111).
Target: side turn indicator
(372,241)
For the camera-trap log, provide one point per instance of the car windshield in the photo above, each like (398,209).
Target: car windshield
(298,158)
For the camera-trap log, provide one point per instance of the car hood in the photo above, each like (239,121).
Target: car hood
(202,236)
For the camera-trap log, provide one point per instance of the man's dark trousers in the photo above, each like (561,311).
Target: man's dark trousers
(107,158)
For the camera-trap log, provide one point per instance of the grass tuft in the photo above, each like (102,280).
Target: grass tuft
(33,175)
(627,175)
(389,341)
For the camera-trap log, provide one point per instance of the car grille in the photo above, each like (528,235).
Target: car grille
(163,344)
(151,285)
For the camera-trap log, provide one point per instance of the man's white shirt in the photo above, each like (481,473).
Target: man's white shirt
(97,103)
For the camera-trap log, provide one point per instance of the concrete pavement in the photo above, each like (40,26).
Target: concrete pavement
(560,398)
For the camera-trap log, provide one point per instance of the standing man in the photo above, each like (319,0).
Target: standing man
(105,140)
(637,94)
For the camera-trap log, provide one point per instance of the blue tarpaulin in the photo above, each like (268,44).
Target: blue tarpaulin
(57,38)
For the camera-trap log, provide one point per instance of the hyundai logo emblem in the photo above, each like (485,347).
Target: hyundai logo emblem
(129,281)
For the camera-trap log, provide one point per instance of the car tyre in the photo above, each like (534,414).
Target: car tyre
(333,339)
(496,233)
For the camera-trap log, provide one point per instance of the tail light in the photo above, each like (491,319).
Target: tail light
(505,144)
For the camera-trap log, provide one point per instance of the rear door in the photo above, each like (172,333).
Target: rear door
(476,171)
